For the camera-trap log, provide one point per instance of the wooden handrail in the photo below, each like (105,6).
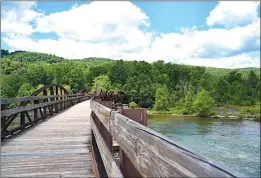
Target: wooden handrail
(151,153)
(32,98)
(35,106)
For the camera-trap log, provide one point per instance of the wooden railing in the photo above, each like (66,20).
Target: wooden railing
(142,151)
(32,109)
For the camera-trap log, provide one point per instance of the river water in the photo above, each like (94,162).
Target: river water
(234,143)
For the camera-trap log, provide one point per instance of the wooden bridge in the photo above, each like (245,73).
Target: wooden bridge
(56,134)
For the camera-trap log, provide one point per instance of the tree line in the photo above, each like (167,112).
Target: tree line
(159,86)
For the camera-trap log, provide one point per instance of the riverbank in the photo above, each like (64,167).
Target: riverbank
(229,112)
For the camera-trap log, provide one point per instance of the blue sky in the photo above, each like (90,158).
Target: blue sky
(196,33)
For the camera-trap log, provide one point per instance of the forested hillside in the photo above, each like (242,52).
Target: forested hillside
(23,56)
(158,85)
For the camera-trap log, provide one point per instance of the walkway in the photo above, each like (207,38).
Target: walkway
(58,147)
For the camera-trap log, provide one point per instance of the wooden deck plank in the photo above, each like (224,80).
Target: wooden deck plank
(56,147)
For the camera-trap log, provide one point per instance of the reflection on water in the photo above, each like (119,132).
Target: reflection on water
(233,142)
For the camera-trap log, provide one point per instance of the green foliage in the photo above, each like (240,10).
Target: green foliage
(133,105)
(25,90)
(39,73)
(102,82)
(140,90)
(252,110)
(161,98)
(188,103)
(204,104)
(10,85)
(67,87)
(117,73)
(222,91)
(23,56)
(162,86)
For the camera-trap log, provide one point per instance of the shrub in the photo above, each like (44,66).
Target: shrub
(133,105)
(204,104)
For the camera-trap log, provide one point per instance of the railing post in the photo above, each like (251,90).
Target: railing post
(36,110)
(61,103)
(3,122)
(52,99)
(22,119)
(56,98)
(65,102)
(44,100)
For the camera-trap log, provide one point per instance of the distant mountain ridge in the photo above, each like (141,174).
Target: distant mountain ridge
(25,56)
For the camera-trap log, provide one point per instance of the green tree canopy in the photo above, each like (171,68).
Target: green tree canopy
(26,90)
(162,98)
(204,104)
(102,82)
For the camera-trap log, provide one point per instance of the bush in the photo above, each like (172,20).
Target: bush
(133,105)
(204,104)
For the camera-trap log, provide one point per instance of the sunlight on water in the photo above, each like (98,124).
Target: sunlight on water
(234,143)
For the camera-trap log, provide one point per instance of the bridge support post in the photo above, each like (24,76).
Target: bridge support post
(139,115)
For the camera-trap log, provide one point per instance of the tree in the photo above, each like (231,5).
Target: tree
(76,79)
(140,90)
(189,102)
(206,82)
(10,85)
(233,76)
(102,82)
(252,79)
(25,90)
(39,73)
(4,52)
(222,91)
(235,91)
(161,98)
(204,104)
(117,73)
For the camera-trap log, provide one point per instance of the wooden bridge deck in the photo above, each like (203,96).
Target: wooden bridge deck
(58,146)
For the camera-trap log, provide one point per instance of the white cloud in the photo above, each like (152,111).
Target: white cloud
(239,61)
(95,21)
(113,30)
(16,18)
(232,13)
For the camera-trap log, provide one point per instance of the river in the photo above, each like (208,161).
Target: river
(235,143)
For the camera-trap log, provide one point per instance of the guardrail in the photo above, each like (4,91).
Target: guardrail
(33,109)
(142,151)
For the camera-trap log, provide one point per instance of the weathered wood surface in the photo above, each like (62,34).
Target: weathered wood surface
(155,155)
(56,147)
(102,112)
(110,165)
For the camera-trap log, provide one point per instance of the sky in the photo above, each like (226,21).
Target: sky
(215,34)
